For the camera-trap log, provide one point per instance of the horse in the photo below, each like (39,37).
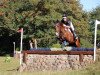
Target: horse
(65,34)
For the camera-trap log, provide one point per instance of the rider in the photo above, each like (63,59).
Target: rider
(68,24)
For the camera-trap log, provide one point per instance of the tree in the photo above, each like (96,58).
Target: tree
(95,14)
(38,17)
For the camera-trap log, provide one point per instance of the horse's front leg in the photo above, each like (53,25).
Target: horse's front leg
(64,44)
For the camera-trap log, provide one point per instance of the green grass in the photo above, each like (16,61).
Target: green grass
(8,65)
(9,68)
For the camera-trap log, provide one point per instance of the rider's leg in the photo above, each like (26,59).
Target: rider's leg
(74,34)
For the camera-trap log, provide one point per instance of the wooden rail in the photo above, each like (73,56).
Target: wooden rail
(80,53)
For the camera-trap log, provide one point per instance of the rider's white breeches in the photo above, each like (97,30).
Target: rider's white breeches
(57,34)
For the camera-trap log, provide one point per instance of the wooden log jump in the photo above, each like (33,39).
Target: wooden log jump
(66,48)
(41,52)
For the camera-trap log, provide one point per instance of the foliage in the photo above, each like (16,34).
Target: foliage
(37,17)
(86,44)
(95,14)
(56,45)
(8,58)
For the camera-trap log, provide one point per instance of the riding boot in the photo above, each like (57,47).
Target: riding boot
(75,35)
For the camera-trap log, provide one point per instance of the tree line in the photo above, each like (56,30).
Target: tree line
(37,18)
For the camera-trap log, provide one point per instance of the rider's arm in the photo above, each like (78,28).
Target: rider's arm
(67,26)
(71,25)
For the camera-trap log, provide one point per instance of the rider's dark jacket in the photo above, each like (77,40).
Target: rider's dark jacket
(65,22)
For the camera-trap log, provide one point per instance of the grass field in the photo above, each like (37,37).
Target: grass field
(9,68)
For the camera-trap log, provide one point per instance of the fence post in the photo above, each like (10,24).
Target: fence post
(35,41)
(24,57)
(81,57)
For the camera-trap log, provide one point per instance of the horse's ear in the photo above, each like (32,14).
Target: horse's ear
(57,21)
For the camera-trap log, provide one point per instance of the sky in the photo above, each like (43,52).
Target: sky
(88,5)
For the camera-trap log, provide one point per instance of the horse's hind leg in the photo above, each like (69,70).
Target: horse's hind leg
(77,42)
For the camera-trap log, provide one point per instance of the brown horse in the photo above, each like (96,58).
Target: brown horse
(66,34)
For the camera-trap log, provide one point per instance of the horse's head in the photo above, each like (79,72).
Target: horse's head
(57,26)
